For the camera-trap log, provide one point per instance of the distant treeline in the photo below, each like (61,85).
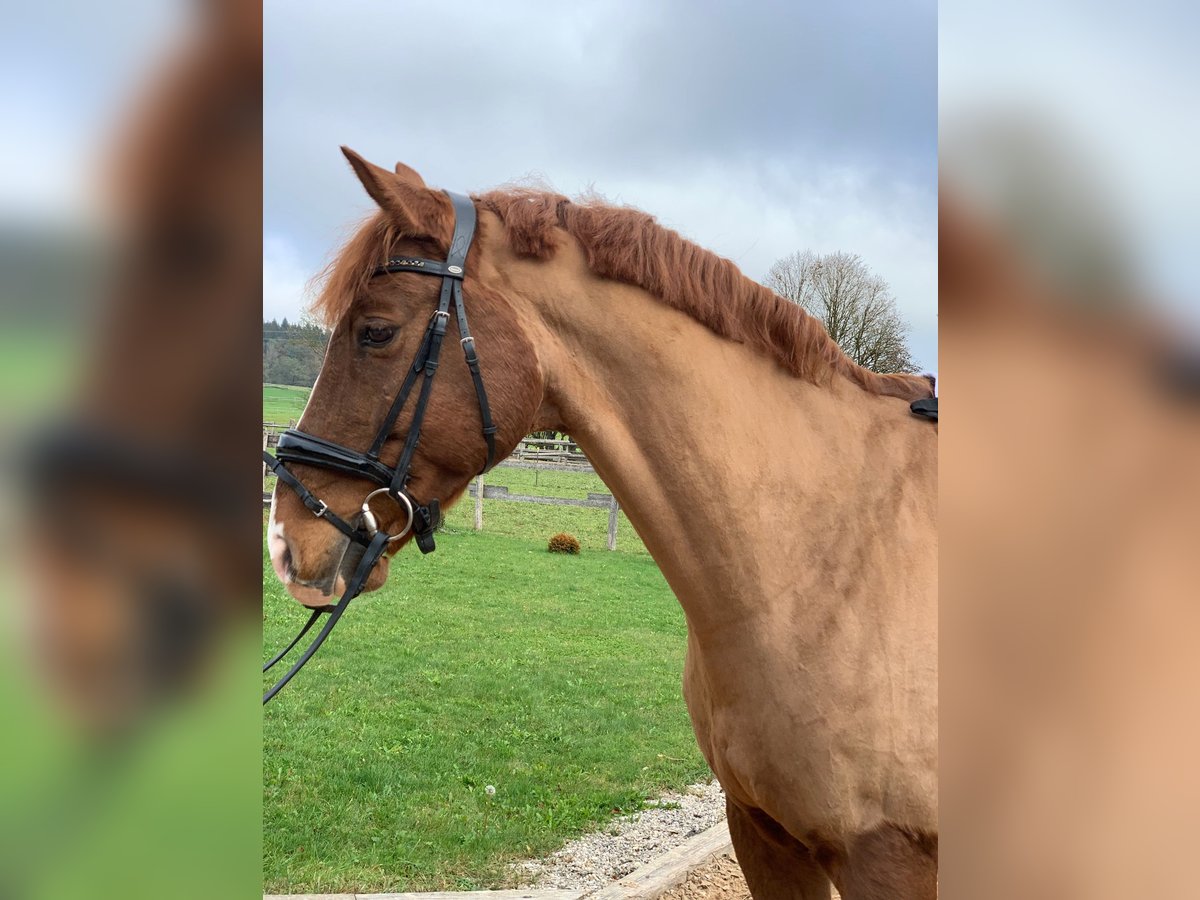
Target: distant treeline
(292,353)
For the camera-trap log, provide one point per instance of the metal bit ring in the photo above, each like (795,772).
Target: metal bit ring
(372,524)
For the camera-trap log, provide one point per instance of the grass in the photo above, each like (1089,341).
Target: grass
(283,403)
(554,678)
(527,520)
(38,365)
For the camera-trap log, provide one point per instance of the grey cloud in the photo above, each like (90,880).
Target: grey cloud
(752,107)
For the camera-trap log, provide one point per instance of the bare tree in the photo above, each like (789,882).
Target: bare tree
(855,305)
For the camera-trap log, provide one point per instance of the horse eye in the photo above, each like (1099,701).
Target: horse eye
(378,335)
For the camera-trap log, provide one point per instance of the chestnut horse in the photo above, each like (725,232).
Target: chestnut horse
(788,496)
(144,453)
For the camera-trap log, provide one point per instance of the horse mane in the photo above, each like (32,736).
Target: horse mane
(629,245)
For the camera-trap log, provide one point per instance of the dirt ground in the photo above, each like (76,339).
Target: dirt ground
(721,879)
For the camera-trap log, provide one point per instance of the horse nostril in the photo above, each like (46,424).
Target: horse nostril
(286,561)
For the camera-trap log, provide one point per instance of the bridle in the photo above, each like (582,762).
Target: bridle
(421,519)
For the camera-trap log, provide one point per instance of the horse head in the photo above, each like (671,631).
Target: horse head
(381,308)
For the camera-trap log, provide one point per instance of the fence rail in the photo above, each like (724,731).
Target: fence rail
(544,451)
(271,432)
(481,492)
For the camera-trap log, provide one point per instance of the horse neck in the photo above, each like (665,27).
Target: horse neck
(724,463)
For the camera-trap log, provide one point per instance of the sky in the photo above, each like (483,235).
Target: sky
(1109,91)
(756,130)
(65,87)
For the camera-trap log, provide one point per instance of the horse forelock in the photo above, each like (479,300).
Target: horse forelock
(347,274)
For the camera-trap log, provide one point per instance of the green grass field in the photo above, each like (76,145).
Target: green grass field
(529,521)
(37,367)
(555,679)
(283,403)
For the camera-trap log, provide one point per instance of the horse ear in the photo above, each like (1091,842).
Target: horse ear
(404,197)
(409,175)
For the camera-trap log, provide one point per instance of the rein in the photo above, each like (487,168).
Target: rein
(421,519)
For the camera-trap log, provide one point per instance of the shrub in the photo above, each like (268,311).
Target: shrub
(563,543)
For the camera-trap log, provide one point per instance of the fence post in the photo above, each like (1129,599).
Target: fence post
(479,502)
(613,507)
(265,435)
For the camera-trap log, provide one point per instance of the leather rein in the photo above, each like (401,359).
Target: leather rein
(421,519)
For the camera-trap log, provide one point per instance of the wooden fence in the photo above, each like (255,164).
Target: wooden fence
(481,492)
(557,453)
(271,432)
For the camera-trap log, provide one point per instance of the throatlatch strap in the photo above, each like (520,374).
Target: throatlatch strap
(468,345)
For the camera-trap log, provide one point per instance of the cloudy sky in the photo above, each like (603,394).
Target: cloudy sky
(1110,91)
(755,130)
(65,87)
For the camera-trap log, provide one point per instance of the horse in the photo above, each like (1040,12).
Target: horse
(788,496)
(136,543)
(142,455)
(1069,645)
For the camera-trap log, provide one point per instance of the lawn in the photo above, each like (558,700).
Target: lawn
(283,403)
(38,366)
(529,520)
(555,679)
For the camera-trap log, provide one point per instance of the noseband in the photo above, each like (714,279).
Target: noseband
(421,519)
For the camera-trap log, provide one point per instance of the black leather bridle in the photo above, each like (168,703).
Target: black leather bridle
(420,518)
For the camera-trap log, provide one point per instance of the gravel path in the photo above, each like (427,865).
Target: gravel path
(599,858)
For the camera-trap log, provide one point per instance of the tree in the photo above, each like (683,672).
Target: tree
(292,353)
(854,304)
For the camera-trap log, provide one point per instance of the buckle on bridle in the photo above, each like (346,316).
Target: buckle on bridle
(319,513)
